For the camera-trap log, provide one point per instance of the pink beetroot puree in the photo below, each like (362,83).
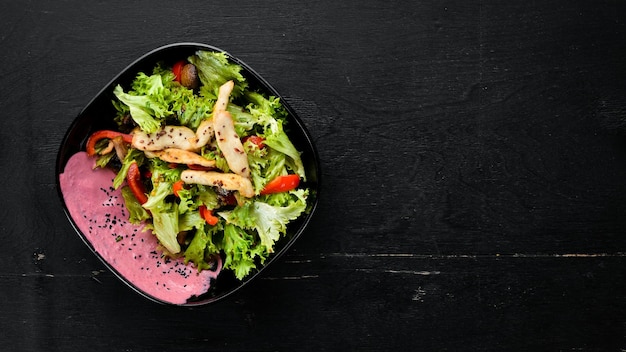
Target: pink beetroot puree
(99,212)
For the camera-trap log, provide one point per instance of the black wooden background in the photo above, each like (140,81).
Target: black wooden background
(473,161)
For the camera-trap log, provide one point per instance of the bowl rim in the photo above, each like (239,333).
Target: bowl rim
(312,202)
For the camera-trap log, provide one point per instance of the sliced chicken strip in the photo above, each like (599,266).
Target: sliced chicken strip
(108,149)
(204,133)
(205,130)
(120,148)
(180,156)
(223,96)
(179,137)
(230,144)
(229,181)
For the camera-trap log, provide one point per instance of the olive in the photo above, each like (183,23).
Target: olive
(189,76)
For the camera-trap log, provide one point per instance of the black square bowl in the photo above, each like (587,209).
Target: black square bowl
(99,113)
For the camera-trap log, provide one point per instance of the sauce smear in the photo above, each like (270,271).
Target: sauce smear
(99,212)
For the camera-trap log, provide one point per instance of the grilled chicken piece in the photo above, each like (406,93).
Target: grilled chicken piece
(225,135)
(223,96)
(228,181)
(204,133)
(178,137)
(205,130)
(120,148)
(230,144)
(180,156)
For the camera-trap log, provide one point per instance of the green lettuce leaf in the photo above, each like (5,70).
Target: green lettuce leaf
(277,139)
(143,110)
(270,113)
(269,221)
(214,69)
(133,155)
(136,212)
(165,225)
(243,120)
(241,251)
(157,196)
(190,220)
(201,247)
(265,164)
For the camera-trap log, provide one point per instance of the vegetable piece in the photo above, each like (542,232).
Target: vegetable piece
(133,178)
(200,167)
(207,215)
(133,156)
(201,247)
(214,69)
(177,70)
(241,251)
(136,213)
(228,181)
(256,140)
(279,141)
(189,76)
(178,186)
(147,112)
(270,221)
(165,226)
(265,165)
(281,183)
(102,134)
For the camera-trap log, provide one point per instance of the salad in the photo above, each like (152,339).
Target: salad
(204,162)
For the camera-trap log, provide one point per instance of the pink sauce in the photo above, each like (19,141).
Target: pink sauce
(99,212)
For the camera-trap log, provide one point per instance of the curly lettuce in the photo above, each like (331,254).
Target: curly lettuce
(269,221)
(214,69)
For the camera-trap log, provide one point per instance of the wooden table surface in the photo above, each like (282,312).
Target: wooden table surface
(473,158)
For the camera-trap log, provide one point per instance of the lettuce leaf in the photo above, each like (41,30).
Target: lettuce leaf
(137,213)
(265,164)
(165,225)
(277,139)
(133,155)
(214,69)
(269,221)
(157,196)
(143,110)
(155,98)
(165,215)
(270,113)
(202,247)
(241,251)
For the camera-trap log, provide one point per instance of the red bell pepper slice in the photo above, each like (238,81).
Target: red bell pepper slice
(178,186)
(177,69)
(133,178)
(207,215)
(199,167)
(191,167)
(255,140)
(282,183)
(102,134)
